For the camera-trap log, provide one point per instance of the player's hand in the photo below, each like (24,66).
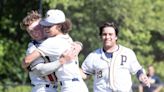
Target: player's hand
(76,47)
(144,79)
(67,56)
(24,65)
(72,53)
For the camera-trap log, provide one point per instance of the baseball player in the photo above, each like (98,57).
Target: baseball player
(57,27)
(40,83)
(113,64)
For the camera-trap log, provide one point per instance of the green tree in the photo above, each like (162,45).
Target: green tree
(13,40)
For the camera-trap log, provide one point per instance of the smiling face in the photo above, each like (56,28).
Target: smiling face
(52,30)
(108,37)
(36,31)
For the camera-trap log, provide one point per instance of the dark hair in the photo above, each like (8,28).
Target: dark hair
(108,24)
(29,19)
(66,26)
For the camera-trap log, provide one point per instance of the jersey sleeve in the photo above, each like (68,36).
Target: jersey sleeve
(47,68)
(87,65)
(134,64)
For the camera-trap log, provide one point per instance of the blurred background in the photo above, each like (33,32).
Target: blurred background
(141,25)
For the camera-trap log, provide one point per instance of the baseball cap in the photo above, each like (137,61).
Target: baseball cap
(53,16)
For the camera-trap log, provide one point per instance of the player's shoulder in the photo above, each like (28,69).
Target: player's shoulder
(51,40)
(59,39)
(30,44)
(125,49)
(92,57)
(96,52)
(31,48)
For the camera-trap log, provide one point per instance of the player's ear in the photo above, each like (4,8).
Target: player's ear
(58,27)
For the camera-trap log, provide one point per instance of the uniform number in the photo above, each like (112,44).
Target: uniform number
(99,74)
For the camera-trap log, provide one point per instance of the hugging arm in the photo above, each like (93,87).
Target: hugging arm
(30,58)
(67,56)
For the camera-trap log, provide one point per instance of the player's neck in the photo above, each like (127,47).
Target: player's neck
(111,49)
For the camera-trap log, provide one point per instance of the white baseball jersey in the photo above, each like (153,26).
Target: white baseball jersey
(37,80)
(112,74)
(54,47)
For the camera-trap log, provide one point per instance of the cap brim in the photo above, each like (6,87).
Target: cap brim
(45,23)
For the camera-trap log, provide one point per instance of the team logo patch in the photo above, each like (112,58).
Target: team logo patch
(123,59)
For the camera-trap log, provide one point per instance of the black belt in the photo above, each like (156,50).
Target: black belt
(74,79)
(47,85)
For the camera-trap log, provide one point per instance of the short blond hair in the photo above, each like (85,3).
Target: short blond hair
(29,19)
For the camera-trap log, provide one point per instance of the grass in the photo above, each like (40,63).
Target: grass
(27,88)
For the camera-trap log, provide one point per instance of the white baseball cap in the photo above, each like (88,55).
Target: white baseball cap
(53,16)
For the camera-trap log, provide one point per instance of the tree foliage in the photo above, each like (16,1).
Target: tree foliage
(140,23)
